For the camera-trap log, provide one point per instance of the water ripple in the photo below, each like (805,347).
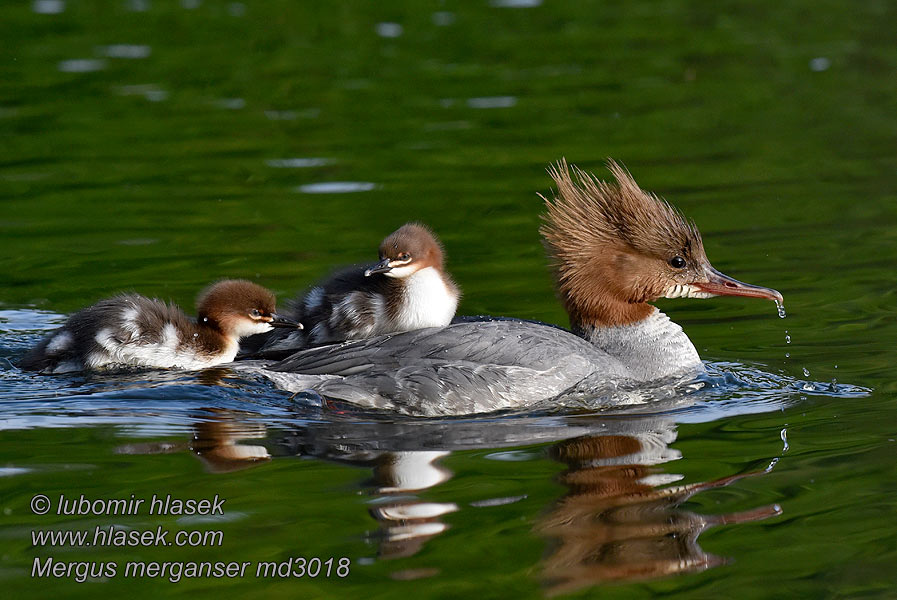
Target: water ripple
(725,389)
(298,163)
(515,3)
(336,187)
(81,65)
(48,7)
(389,30)
(132,51)
(492,102)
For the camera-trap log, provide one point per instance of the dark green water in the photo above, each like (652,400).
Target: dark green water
(169,159)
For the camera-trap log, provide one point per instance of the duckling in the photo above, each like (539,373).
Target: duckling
(130,330)
(408,289)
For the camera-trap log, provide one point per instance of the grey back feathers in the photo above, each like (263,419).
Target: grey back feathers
(477,366)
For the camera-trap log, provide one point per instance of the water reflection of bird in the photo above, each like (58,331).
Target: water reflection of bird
(614,525)
(216,440)
(616,248)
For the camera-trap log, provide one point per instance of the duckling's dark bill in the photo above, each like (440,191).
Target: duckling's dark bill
(278,321)
(381,267)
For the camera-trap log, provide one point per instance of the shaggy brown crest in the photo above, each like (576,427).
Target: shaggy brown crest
(611,243)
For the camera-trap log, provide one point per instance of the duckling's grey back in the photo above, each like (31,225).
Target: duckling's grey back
(467,367)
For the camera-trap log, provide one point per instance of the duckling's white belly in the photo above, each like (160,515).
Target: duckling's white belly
(168,351)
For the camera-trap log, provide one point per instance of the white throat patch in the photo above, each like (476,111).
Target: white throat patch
(686,291)
(402,272)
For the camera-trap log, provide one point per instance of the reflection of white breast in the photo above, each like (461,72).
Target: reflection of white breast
(412,471)
(427,301)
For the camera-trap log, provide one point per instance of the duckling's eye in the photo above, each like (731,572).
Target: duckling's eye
(255,313)
(677,262)
(404,256)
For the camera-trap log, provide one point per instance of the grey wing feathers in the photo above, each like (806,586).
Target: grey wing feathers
(434,390)
(465,367)
(508,343)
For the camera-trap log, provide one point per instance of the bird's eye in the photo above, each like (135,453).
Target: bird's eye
(404,256)
(677,262)
(255,313)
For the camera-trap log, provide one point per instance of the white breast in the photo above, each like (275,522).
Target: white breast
(427,302)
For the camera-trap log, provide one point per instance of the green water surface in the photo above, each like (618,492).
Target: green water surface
(157,146)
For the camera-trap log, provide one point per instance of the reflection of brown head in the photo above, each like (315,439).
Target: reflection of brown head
(216,442)
(614,526)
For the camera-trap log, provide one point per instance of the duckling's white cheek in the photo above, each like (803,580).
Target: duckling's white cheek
(247,328)
(400,272)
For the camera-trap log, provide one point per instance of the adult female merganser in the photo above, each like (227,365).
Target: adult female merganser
(408,289)
(130,330)
(615,249)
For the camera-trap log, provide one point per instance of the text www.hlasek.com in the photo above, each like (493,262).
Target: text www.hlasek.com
(112,536)
(174,571)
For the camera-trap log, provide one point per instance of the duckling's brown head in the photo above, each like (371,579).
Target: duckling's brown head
(408,249)
(238,308)
(617,247)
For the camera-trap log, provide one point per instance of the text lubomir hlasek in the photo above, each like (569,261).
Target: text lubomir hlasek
(157,505)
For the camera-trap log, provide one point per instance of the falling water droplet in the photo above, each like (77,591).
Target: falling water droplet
(787,337)
(806,372)
(780,307)
(787,355)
